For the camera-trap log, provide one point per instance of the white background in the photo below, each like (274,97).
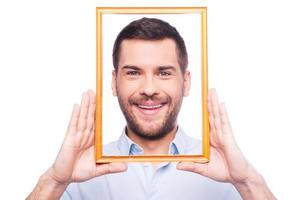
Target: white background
(47,58)
(191,106)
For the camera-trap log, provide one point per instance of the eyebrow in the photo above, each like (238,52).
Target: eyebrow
(160,68)
(131,67)
(167,67)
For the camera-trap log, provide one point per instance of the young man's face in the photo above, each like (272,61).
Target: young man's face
(150,86)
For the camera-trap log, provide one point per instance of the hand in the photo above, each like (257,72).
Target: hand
(227,163)
(76,159)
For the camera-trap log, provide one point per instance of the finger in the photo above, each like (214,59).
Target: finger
(215,110)
(193,167)
(210,93)
(90,139)
(224,117)
(91,95)
(72,128)
(102,169)
(209,103)
(211,120)
(210,111)
(83,112)
(91,111)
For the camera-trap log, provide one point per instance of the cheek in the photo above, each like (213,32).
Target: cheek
(173,88)
(125,89)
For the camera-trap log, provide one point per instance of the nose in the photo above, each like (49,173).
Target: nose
(149,87)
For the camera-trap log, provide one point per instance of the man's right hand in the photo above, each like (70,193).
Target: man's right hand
(75,161)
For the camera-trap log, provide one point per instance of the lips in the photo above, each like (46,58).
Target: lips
(148,109)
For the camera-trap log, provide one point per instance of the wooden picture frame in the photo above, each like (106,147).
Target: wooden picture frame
(100,12)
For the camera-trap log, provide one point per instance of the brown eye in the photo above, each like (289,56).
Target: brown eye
(132,73)
(164,73)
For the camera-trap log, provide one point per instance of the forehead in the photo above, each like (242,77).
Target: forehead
(148,52)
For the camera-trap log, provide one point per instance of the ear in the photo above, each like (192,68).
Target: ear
(186,83)
(114,82)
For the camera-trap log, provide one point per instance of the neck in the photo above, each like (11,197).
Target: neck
(153,147)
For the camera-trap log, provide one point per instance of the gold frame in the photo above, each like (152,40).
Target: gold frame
(98,121)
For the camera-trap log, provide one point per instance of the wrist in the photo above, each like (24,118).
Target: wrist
(47,188)
(51,179)
(251,176)
(254,186)
(253,179)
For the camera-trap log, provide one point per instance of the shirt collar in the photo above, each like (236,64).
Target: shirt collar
(128,147)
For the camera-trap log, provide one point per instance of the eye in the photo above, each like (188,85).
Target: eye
(132,73)
(165,73)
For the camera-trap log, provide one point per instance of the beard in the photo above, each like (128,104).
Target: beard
(148,129)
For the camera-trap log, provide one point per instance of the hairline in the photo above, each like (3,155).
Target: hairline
(177,50)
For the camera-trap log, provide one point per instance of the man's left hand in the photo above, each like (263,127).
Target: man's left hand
(227,163)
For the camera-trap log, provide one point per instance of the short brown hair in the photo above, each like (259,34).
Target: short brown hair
(151,29)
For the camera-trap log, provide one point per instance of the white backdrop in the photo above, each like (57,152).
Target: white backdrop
(191,106)
(47,58)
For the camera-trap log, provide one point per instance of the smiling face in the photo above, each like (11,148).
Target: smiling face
(150,86)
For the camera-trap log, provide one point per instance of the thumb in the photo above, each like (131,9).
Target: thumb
(102,169)
(193,167)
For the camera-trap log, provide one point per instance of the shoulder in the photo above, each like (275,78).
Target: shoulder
(111,148)
(190,144)
(193,145)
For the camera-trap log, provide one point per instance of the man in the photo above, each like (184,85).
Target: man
(150,80)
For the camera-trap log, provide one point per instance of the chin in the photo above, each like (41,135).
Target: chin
(150,131)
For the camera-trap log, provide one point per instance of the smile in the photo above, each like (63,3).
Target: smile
(150,107)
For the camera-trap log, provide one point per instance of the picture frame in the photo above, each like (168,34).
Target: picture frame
(101,12)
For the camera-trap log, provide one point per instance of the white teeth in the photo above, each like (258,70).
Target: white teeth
(150,107)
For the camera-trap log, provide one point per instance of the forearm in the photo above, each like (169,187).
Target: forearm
(47,189)
(254,187)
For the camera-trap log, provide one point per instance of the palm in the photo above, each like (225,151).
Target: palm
(76,159)
(217,168)
(227,163)
(84,166)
